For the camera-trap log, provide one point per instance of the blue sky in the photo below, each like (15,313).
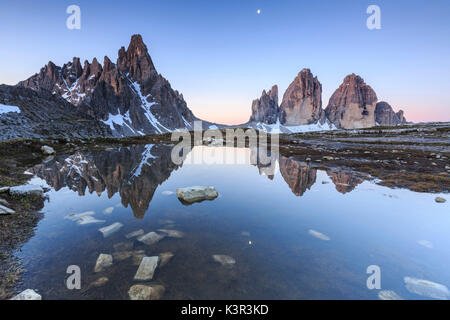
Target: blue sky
(222,54)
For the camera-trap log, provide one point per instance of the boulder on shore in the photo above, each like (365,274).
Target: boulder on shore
(197,194)
(26,191)
(47,150)
(28,294)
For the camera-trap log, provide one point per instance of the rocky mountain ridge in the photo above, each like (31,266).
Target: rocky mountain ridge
(352,106)
(130,96)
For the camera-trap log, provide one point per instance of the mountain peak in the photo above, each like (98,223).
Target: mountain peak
(136,61)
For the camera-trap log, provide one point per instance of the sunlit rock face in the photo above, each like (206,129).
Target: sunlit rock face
(302,101)
(129,96)
(265,109)
(297,174)
(386,116)
(135,172)
(345,181)
(352,105)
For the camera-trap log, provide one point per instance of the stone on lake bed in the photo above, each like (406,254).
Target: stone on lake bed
(427,288)
(318,235)
(142,292)
(26,191)
(5,210)
(388,295)
(172,233)
(28,294)
(108,210)
(224,259)
(150,238)
(425,243)
(109,230)
(99,282)
(138,255)
(88,220)
(147,268)
(47,150)
(103,261)
(122,255)
(133,234)
(123,246)
(165,258)
(440,200)
(76,216)
(197,194)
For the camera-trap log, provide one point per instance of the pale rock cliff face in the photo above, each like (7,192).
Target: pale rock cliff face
(266,108)
(386,116)
(302,101)
(352,105)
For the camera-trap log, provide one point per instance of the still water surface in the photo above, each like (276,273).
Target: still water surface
(295,232)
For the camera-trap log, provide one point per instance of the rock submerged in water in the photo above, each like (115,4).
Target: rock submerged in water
(109,230)
(388,295)
(47,150)
(172,233)
(150,238)
(196,194)
(103,261)
(440,200)
(427,288)
(224,259)
(28,294)
(133,234)
(99,282)
(142,292)
(319,235)
(147,268)
(165,258)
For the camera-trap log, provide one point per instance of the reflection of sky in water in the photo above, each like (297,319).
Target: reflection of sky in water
(371,225)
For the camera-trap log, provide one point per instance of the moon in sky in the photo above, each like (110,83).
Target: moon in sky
(258,11)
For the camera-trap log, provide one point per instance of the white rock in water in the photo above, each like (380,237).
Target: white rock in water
(223,259)
(99,282)
(4,189)
(388,295)
(108,210)
(103,261)
(26,190)
(28,294)
(425,243)
(77,216)
(440,200)
(150,238)
(109,230)
(196,194)
(165,258)
(135,234)
(88,220)
(167,193)
(427,288)
(172,233)
(5,210)
(318,235)
(147,268)
(48,150)
(141,292)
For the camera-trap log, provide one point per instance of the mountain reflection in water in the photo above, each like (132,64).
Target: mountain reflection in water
(137,171)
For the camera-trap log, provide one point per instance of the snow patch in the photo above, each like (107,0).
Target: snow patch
(6,109)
